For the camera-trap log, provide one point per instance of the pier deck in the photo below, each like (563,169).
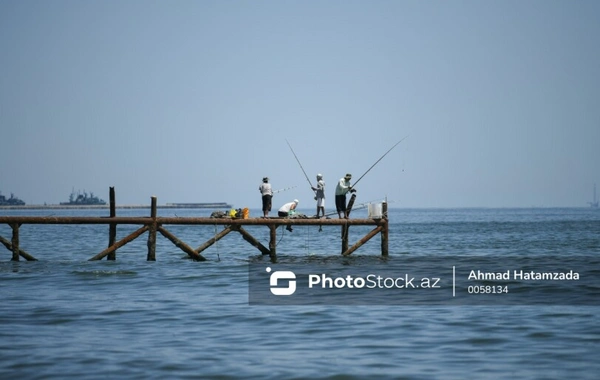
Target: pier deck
(155,224)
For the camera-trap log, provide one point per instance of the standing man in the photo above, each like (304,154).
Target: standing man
(320,194)
(341,189)
(267,196)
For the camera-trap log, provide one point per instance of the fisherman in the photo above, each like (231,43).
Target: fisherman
(287,210)
(267,196)
(320,194)
(342,188)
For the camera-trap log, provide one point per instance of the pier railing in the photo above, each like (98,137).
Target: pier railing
(155,224)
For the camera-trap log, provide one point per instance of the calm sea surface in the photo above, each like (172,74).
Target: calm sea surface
(66,317)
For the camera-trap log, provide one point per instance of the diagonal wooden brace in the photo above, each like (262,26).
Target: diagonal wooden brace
(181,245)
(214,239)
(22,253)
(250,239)
(362,241)
(120,243)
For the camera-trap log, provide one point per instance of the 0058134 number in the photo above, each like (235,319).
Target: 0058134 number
(487,289)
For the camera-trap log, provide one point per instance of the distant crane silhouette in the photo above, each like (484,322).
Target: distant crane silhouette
(594,203)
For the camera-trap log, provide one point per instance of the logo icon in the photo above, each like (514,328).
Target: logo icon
(282,275)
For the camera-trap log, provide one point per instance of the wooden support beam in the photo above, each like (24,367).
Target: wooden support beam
(362,241)
(273,242)
(112,228)
(22,253)
(15,241)
(121,243)
(385,230)
(214,239)
(250,239)
(181,245)
(152,232)
(350,205)
(345,230)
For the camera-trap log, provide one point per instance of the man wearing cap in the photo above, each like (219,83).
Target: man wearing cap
(320,194)
(341,189)
(267,196)
(288,209)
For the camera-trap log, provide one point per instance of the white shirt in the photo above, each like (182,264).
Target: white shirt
(342,187)
(265,189)
(287,207)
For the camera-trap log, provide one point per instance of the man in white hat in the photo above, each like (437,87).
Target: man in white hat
(288,209)
(320,194)
(341,189)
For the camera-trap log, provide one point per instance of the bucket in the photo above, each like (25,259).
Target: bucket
(375,211)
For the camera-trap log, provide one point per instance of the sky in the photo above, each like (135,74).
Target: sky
(195,101)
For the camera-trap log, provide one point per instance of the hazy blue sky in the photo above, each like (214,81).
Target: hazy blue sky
(193,101)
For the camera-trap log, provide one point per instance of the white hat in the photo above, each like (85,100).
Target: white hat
(295,201)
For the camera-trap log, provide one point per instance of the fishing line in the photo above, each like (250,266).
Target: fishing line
(280,239)
(380,158)
(286,189)
(282,233)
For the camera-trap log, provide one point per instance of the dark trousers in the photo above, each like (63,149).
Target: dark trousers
(266,202)
(340,203)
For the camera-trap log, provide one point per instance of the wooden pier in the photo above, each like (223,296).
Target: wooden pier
(155,224)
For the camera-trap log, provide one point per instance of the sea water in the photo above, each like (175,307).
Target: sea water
(66,317)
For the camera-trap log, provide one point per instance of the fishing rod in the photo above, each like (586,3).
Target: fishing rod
(286,189)
(310,183)
(380,158)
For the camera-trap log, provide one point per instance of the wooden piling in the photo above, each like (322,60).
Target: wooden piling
(384,230)
(152,232)
(350,205)
(15,241)
(346,227)
(273,242)
(345,230)
(112,228)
